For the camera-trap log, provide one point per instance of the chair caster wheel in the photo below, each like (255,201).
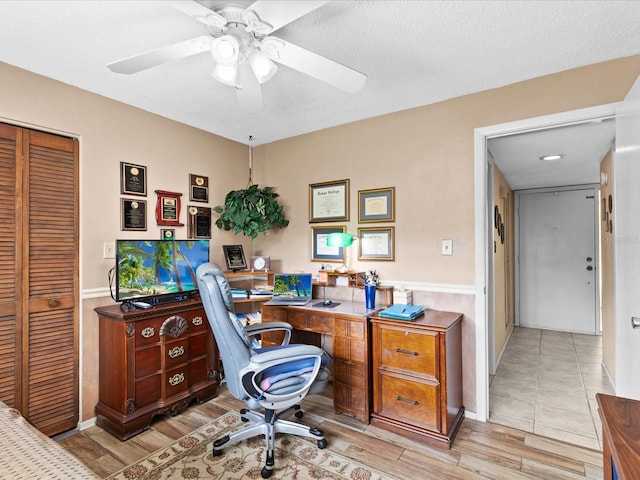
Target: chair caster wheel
(299,414)
(266,472)
(322,443)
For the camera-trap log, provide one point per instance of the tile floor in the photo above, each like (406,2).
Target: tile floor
(546,384)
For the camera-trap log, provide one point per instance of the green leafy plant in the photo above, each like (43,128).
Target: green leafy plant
(251,211)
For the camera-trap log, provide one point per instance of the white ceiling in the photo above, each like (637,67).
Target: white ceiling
(414,53)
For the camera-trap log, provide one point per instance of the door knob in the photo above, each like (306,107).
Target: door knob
(589,268)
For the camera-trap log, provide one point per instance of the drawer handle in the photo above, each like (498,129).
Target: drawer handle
(412,402)
(176,379)
(53,303)
(176,352)
(407,352)
(197,321)
(148,332)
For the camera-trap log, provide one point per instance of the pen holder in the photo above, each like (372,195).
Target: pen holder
(370,296)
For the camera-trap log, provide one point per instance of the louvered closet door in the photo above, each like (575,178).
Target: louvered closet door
(38,277)
(10,274)
(50,256)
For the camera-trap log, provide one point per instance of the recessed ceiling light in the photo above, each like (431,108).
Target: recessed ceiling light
(556,156)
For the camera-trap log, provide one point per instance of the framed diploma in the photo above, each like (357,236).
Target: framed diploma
(329,201)
(320,251)
(234,256)
(376,243)
(168,208)
(199,222)
(133,214)
(376,205)
(133,179)
(199,188)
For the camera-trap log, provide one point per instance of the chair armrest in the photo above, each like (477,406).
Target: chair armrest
(289,353)
(259,328)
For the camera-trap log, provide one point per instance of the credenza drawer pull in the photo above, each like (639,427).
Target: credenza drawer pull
(148,332)
(176,379)
(412,402)
(407,352)
(197,321)
(176,352)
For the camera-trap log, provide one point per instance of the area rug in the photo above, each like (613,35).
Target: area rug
(296,458)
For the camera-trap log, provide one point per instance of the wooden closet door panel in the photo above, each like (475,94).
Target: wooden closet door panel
(10,274)
(51,259)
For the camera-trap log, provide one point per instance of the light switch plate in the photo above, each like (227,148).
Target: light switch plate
(447,247)
(109,250)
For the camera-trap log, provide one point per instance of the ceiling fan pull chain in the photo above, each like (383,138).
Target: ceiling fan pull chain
(250,162)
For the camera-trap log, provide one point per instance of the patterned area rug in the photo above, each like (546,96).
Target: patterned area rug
(296,458)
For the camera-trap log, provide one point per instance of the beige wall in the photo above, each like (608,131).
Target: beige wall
(426,153)
(606,271)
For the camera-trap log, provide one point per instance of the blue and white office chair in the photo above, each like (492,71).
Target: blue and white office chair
(275,379)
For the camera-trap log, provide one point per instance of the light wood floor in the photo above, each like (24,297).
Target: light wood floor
(480,450)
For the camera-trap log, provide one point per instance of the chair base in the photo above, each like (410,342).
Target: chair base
(269,424)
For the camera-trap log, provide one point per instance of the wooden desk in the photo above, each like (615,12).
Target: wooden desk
(348,325)
(620,436)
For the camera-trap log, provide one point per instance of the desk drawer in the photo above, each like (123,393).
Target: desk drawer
(409,350)
(320,324)
(414,403)
(297,320)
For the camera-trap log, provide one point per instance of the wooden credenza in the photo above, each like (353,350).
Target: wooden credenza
(153,361)
(417,376)
(347,323)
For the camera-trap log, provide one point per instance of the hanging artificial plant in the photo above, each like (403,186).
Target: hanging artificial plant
(252,210)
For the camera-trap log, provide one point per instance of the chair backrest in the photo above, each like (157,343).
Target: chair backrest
(232,341)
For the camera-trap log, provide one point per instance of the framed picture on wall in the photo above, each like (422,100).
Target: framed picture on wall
(133,214)
(320,251)
(377,205)
(376,243)
(329,201)
(133,179)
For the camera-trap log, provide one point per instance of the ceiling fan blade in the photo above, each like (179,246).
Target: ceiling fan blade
(249,92)
(313,64)
(278,13)
(156,57)
(199,12)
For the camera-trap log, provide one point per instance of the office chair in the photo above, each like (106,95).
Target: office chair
(275,379)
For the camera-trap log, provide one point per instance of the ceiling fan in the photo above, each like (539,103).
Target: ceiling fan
(244,51)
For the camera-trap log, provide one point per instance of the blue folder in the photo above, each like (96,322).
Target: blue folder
(402,312)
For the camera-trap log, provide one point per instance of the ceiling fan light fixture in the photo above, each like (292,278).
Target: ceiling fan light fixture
(262,66)
(227,74)
(271,47)
(225,50)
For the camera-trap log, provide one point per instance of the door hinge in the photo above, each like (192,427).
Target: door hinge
(590,196)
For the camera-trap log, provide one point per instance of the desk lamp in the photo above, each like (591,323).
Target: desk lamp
(343,240)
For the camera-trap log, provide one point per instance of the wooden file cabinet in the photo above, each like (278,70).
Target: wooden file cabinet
(153,361)
(417,376)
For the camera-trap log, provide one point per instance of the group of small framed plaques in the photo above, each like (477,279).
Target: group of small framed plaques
(329,202)
(133,211)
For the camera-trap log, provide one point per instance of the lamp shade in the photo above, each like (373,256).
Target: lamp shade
(225,50)
(339,239)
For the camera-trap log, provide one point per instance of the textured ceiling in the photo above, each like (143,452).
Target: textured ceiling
(413,52)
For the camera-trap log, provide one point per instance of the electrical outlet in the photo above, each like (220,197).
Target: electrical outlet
(447,247)
(109,250)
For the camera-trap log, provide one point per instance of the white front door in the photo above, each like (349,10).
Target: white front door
(557,253)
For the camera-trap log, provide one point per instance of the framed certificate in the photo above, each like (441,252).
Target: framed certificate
(320,251)
(376,205)
(234,256)
(199,188)
(376,243)
(133,214)
(199,222)
(329,201)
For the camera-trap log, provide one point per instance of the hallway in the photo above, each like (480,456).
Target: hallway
(546,384)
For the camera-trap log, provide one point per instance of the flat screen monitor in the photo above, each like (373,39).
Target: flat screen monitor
(151,270)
